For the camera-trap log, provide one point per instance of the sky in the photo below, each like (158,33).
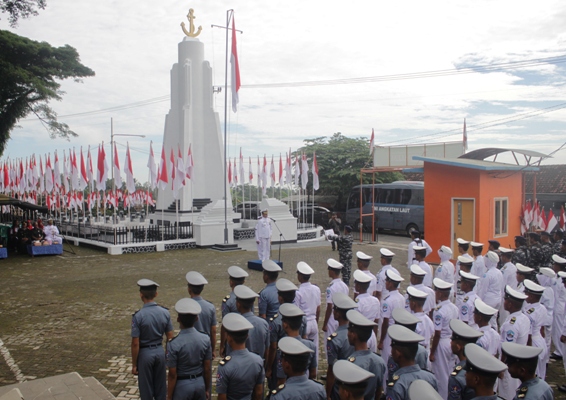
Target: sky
(333,63)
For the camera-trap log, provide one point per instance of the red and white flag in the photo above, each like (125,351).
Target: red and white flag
(83,178)
(117,176)
(130,183)
(304,172)
(163,177)
(235,81)
(288,172)
(235,173)
(371,142)
(258,173)
(315,183)
(74,170)
(48,174)
(297,170)
(190,164)
(264,175)
(102,169)
(272,172)
(174,180)
(152,168)
(542,219)
(65,172)
(280,170)
(181,170)
(528,214)
(551,221)
(242,171)
(89,170)
(251,172)
(230,172)
(56,173)
(562,223)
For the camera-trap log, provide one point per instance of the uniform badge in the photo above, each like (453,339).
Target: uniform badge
(531,310)
(466,299)
(385,307)
(512,321)
(464,310)
(437,319)
(455,391)
(510,336)
(352,359)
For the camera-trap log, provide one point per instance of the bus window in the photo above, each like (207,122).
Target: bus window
(354,200)
(417,199)
(405,196)
(386,196)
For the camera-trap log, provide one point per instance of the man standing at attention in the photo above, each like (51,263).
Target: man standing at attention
(345,250)
(307,299)
(149,324)
(206,322)
(417,241)
(263,232)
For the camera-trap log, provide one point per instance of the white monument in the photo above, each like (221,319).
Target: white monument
(192,121)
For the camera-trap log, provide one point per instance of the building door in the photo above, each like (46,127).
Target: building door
(463,221)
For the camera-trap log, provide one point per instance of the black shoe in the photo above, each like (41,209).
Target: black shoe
(562,388)
(555,356)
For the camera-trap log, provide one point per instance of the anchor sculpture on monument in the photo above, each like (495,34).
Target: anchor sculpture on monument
(191,31)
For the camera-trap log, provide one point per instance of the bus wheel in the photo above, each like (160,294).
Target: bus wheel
(410,228)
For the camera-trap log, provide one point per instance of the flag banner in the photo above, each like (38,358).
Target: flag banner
(288,172)
(251,177)
(304,172)
(272,172)
(297,170)
(241,168)
(235,77)
(152,168)
(315,183)
(551,221)
(190,164)
(117,176)
(163,176)
(562,222)
(371,142)
(280,170)
(130,183)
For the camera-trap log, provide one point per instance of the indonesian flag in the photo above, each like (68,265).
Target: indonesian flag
(551,221)
(562,218)
(272,172)
(41,177)
(190,164)
(152,168)
(251,172)
(258,173)
(288,172)
(280,170)
(89,170)
(264,175)
(230,172)
(465,136)
(117,176)
(130,183)
(56,173)
(83,177)
(297,170)
(371,142)
(102,169)
(163,177)
(314,172)
(65,173)
(181,170)
(542,219)
(528,215)
(242,172)
(235,81)
(304,172)
(235,172)
(174,182)
(74,170)
(6,176)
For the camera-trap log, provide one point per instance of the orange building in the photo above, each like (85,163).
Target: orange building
(476,200)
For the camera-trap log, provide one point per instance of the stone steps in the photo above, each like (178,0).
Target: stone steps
(61,387)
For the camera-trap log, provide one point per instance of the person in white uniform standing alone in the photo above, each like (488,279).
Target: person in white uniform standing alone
(263,232)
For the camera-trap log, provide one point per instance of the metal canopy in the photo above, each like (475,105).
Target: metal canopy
(482,154)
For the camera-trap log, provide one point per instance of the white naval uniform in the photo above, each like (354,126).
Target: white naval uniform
(466,308)
(411,251)
(372,284)
(336,286)
(478,267)
(489,289)
(509,272)
(430,302)
(445,270)
(263,232)
(548,301)
(445,360)
(307,298)
(490,341)
(457,273)
(370,308)
(425,328)
(537,314)
(428,277)
(558,316)
(515,329)
(380,280)
(392,301)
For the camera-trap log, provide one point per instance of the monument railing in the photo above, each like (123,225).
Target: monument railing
(127,234)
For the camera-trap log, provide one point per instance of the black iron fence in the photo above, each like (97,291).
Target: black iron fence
(127,235)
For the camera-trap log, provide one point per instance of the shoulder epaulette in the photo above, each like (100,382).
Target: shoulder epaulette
(395,379)
(332,336)
(279,388)
(512,321)
(274,317)
(225,300)
(357,300)
(438,308)
(225,360)
(352,359)
(531,310)
(466,299)
(522,392)
(456,370)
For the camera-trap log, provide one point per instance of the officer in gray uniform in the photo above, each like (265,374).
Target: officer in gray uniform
(295,358)
(404,347)
(482,370)
(337,346)
(237,277)
(206,321)
(360,329)
(404,318)
(268,303)
(462,334)
(522,362)
(258,340)
(352,380)
(240,375)
(189,356)
(149,324)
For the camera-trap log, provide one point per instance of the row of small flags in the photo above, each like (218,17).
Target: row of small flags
(283,174)
(536,217)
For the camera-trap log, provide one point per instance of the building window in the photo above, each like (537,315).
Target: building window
(501,216)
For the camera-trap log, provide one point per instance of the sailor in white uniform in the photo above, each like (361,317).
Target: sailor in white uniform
(509,271)
(417,277)
(523,272)
(463,246)
(363,265)
(491,285)
(307,298)
(445,270)
(420,254)
(558,264)
(336,286)
(478,268)
(263,232)
(465,304)
(386,258)
(546,278)
(417,241)
(490,339)
(368,305)
(425,328)
(537,314)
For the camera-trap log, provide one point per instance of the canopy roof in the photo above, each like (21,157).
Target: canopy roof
(482,154)
(6,201)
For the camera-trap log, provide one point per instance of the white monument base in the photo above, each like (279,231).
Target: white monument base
(284,224)
(208,228)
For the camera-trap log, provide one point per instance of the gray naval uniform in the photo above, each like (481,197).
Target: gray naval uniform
(373,363)
(421,359)
(534,388)
(187,352)
(229,304)
(299,388)
(313,362)
(398,388)
(149,324)
(238,374)
(258,338)
(457,389)
(338,348)
(207,317)
(268,302)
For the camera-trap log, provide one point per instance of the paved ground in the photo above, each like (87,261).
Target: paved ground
(72,312)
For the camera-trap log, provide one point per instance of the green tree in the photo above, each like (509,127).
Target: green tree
(20,9)
(29,74)
(340,159)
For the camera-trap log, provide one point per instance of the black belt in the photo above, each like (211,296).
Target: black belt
(150,346)
(185,377)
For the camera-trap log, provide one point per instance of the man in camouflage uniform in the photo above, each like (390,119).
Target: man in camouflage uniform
(547,249)
(558,237)
(345,250)
(522,253)
(536,259)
